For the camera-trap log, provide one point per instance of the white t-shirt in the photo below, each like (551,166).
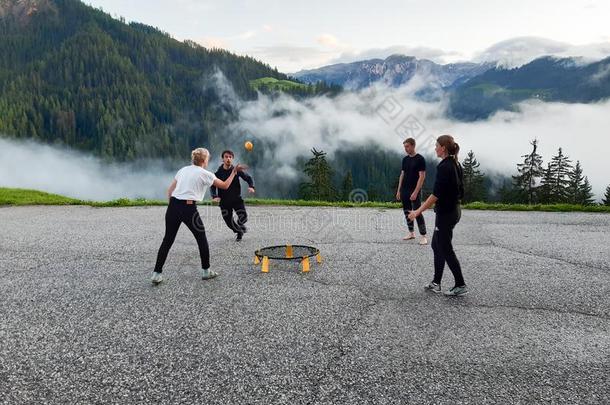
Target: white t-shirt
(192,183)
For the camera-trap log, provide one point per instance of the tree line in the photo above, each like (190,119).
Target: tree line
(559,181)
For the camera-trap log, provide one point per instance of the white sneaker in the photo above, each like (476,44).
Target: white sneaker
(409,236)
(423,240)
(207,274)
(156,278)
(436,288)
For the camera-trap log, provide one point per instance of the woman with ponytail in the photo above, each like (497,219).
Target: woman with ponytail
(448,190)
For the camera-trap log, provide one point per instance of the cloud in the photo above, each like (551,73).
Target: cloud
(291,58)
(211,42)
(518,51)
(247,35)
(77,175)
(328,40)
(578,128)
(602,74)
(267,28)
(385,116)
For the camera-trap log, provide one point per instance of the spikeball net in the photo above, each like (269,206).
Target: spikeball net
(296,253)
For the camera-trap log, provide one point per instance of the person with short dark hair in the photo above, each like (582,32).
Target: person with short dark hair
(446,196)
(230,199)
(188,187)
(410,183)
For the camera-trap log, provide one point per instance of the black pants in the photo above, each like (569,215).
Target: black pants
(179,212)
(442,247)
(227,208)
(408,205)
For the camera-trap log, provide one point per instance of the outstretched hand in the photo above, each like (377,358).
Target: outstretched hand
(241,168)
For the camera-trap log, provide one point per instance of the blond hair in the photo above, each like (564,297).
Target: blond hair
(199,156)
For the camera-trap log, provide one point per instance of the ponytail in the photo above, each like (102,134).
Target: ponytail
(455,151)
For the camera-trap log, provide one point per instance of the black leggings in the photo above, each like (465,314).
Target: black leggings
(227,215)
(179,212)
(443,249)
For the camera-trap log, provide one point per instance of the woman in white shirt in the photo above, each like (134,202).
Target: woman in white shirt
(189,186)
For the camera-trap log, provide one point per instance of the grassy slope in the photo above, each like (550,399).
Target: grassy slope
(275,84)
(13,196)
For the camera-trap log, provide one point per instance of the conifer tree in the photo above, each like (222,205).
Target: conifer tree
(606,199)
(474,189)
(529,172)
(560,167)
(320,186)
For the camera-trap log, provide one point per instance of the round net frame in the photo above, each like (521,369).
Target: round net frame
(300,253)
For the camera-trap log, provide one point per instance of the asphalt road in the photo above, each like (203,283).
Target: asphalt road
(81,323)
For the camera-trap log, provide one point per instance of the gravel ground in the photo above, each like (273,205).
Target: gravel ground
(81,323)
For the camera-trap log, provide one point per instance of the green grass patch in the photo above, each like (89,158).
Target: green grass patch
(537,207)
(309,203)
(19,196)
(272,83)
(16,196)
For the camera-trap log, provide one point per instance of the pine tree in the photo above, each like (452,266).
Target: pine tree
(579,189)
(545,190)
(606,199)
(560,168)
(474,189)
(347,186)
(320,186)
(529,172)
(586,193)
(576,180)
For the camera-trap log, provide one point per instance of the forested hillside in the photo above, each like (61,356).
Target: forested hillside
(73,75)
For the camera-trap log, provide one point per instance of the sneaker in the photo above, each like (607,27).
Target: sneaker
(409,236)
(435,288)
(423,240)
(207,274)
(457,291)
(239,236)
(156,278)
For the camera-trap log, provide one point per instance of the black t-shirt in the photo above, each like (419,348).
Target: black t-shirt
(448,186)
(233,193)
(411,166)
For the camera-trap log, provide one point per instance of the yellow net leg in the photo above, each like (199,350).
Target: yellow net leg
(256,260)
(289,251)
(305,264)
(319,258)
(265,266)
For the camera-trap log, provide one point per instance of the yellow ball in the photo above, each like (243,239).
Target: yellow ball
(248,145)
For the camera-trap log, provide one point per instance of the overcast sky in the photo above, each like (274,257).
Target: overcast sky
(294,35)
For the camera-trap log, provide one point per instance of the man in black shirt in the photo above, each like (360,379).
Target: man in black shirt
(230,199)
(410,183)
